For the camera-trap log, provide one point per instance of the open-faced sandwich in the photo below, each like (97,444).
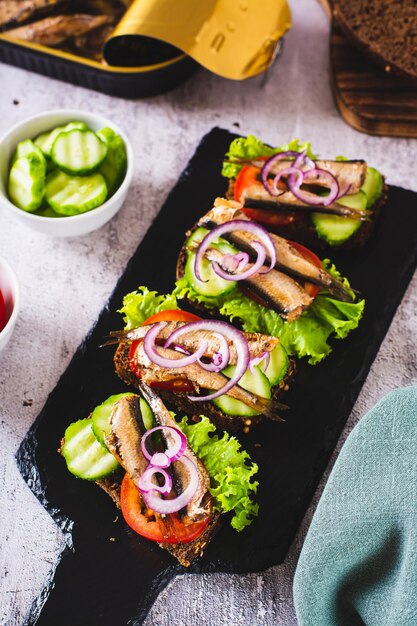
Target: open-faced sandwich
(232,266)
(172,480)
(310,200)
(202,366)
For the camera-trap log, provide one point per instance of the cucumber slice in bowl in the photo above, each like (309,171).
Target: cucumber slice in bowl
(114,165)
(27,182)
(72,195)
(85,456)
(78,151)
(45,141)
(27,148)
(100,417)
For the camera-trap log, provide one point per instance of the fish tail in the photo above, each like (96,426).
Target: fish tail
(340,292)
(273,408)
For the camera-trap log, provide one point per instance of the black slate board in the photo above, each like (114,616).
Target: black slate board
(113,582)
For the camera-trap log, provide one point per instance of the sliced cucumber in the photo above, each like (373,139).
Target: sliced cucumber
(147,414)
(27,148)
(101,416)
(213,285)
(71,195)
(45,141)
(85,456)
(46,211)
(278,365)
(27,182)
(78,151)
(372,186)
(255,381)
(336,230)
(114,165)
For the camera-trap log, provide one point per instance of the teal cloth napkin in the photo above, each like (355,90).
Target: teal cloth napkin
(358,565)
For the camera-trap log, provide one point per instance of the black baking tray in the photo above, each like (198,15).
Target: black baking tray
(125,82)
(109,576)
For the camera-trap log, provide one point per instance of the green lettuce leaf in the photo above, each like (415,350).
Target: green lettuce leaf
(141,304)
(306,336)
(251,148)
(229,468)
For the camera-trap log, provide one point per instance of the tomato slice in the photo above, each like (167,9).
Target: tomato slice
(2,312)
(170,315)
(271,218)
(249,176)
(169,529)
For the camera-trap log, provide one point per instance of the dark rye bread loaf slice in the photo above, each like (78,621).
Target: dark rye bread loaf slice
(385,30)
(185,553)
(231,423)
(304,231)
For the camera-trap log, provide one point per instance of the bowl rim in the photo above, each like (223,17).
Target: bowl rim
(82,216)
(16,294)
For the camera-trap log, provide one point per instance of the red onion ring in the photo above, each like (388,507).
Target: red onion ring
(235,262)
(145,483)
(294,185)
(303,159)
(265,357)
(232,226)
(149,347)
(231,334)
(220,358)
(310,198)
(269,163)
(253,270)
(289,171)
(165,507)
(174,452)
(345,191)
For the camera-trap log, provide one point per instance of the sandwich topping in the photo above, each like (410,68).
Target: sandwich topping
(281,273)
(295,182)
(179,476)
(213,357)
(324,202)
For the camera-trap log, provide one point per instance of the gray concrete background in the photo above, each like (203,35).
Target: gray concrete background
(65,284)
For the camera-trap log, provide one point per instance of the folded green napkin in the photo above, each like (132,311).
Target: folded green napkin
(358,565)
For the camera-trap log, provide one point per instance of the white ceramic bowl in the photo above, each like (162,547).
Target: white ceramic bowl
(9,287)
(74,225)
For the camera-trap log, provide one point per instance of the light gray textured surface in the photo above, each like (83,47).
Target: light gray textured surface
(65,284)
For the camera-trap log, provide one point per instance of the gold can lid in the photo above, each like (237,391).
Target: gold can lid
(235,39)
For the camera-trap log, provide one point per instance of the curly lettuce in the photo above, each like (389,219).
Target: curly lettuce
(230,469)
(251,148)
(141,304)
(308,336)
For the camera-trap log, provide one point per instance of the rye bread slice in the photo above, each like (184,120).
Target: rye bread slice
(185,553)
(304,231)
(385,30)
(230,423)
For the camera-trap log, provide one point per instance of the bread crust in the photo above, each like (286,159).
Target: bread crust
(304,232)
